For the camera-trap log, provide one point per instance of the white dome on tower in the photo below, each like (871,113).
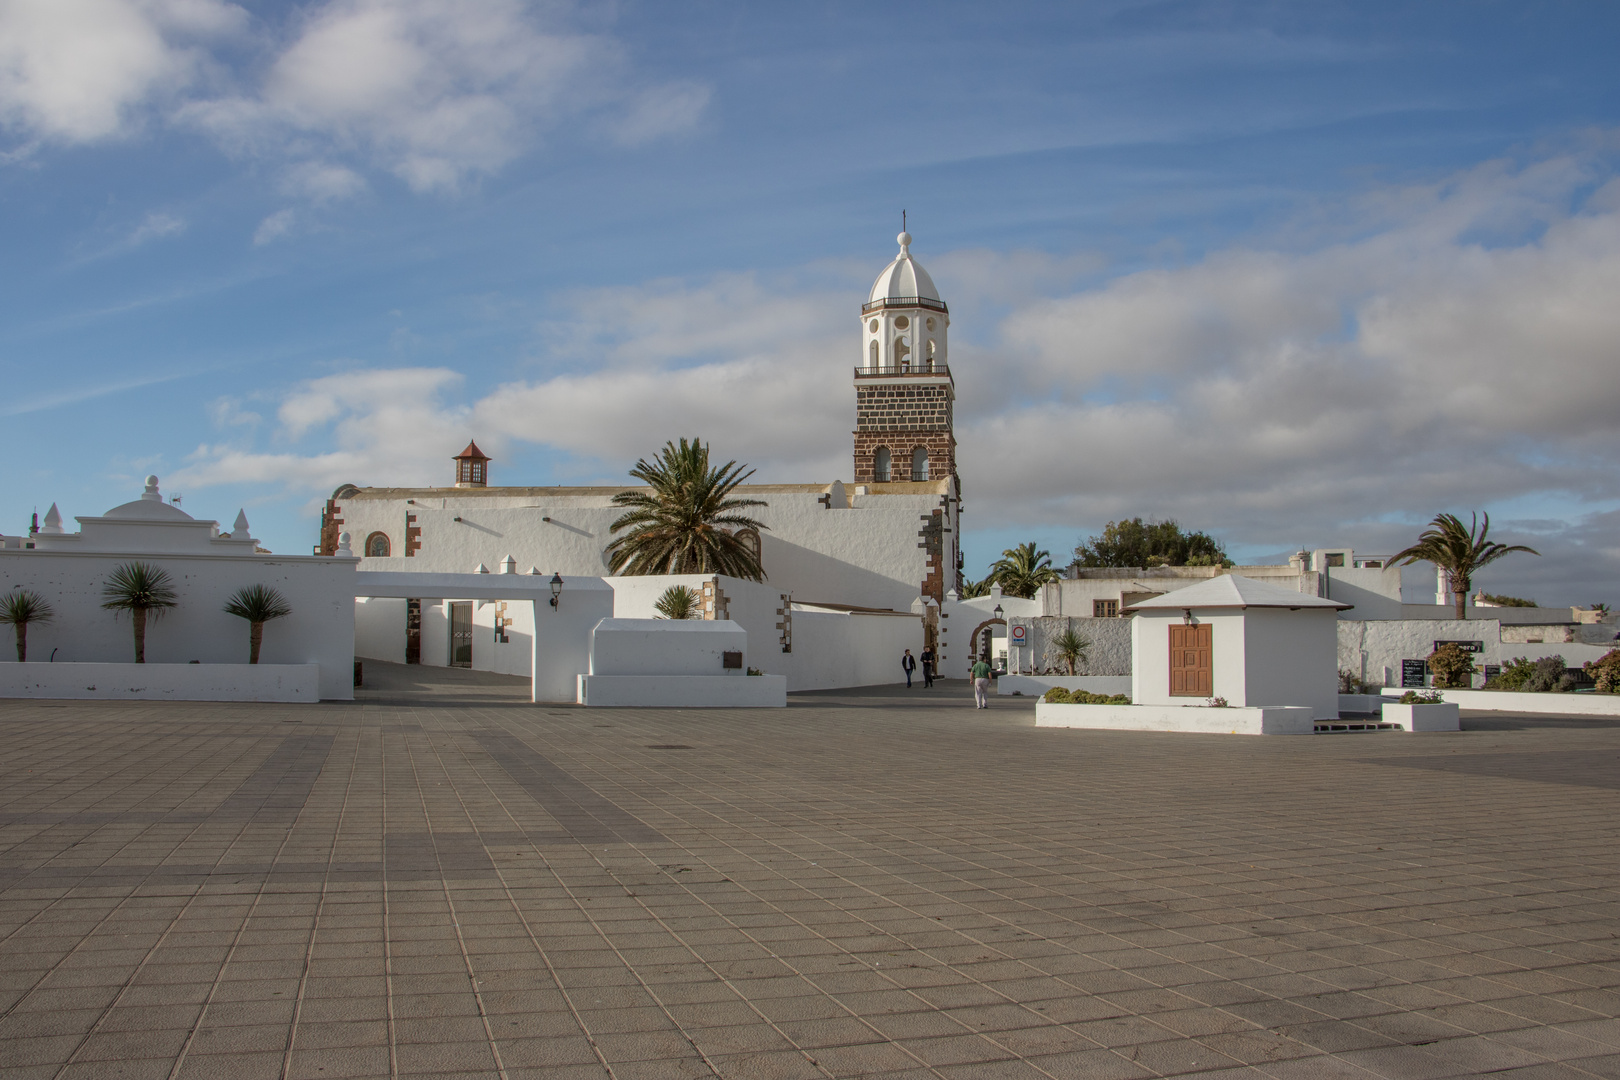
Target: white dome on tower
(903,279)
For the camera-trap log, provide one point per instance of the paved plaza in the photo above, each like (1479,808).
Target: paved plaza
(443,880)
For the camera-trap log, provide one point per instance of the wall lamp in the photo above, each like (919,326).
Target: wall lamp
(997,612)
(556,588)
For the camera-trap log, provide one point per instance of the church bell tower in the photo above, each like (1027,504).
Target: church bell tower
(904,394)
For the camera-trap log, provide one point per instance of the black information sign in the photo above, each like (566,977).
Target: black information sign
(1492,670)
(1413,671)
(1465,646)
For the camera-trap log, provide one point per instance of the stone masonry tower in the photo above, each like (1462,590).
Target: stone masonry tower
(904,394)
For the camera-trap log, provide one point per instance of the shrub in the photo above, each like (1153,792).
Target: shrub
(1605,672)
(1218,703)
(1514,674)
(1451,666)
(1507,601)
(1351,683)
(1547,676)
(1422,697)
(1059,696)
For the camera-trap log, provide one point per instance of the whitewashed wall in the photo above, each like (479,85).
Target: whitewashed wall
(1290,659)
(320,629)
(1375,650)
(1150,648)
(865,554)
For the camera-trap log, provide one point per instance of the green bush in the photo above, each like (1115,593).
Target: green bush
(1452,667)
(1514,674)
(1605,672)
(1545,676)
(1059,696)
(1351,683)
(1422,697)
(1507,601)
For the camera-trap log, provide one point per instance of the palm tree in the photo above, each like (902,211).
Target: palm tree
(1071,647)
(972,589)
(677,602)
(687,523)
(21,608)
(258,604)
(1022,570)
(1458,551)
(140,589)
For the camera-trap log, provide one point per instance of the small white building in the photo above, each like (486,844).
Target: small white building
(195,650)
(1250,642)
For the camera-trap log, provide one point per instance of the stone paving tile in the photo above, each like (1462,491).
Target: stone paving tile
(458,883)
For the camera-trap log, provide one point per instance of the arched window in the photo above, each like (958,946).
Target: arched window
(919,463)
(750,537)
(872,353)
(880,465)
(930,354)
(377,546)
(902,353)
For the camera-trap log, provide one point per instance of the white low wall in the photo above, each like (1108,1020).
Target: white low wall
(162,682)
(1036,685)
(1360,703)
(683,691)
(1509,702)
(1269,720)
(1441,717)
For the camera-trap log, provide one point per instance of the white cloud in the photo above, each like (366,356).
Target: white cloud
(321,182)
(275,226)
(1308,393)
(436,91)
(155,226)
(433,91)
(78,70)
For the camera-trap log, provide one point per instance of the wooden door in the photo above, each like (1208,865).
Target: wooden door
(461,634)
(1192,670)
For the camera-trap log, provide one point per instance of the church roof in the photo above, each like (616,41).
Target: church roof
(149,507)
(1233,591)
(472,451)
(903,279)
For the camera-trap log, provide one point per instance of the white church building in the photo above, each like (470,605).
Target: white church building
(886,541)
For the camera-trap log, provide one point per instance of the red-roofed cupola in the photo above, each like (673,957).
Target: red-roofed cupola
(472,467)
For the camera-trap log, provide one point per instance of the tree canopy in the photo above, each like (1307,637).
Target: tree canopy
(1021,571)
(1133,542)
(687,523)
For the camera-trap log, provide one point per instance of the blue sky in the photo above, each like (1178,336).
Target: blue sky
(1296,273)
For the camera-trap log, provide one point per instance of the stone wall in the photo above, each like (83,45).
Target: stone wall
(1110,652)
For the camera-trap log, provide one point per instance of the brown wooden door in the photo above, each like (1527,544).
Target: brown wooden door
(1192,670)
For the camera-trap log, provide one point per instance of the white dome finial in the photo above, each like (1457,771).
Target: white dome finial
(904,239)
(151,493)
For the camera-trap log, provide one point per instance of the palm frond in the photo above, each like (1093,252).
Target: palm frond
(139,586)
(258,604)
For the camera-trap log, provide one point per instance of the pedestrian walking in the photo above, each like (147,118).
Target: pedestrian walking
(981,685)
(908,664)
(927,659)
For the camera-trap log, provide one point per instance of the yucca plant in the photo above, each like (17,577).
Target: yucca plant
(21,608)
(258,604)
(677,602)
(142,590)
(688,522)
(1071,647)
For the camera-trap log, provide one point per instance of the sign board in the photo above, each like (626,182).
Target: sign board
(1492,670)
(1413,671)
(1018,636)
(1465,646)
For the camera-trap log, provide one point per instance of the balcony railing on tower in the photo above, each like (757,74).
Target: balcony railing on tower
(905,367)
(905,302)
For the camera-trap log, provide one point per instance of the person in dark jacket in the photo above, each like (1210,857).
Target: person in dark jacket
(908,664)
(927,659)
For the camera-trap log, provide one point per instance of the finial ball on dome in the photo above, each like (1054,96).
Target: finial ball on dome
(904,239)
